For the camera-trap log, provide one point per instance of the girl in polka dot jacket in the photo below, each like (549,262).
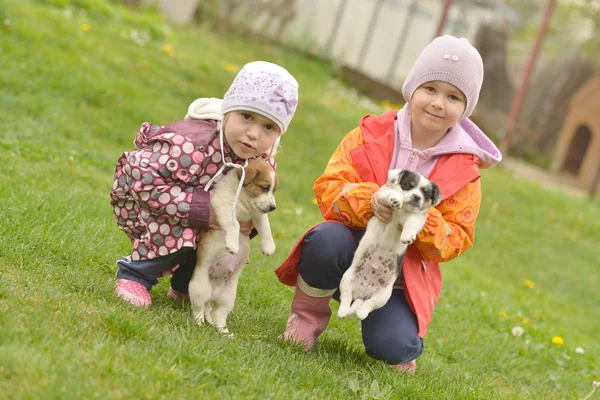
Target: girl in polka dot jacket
(160,195)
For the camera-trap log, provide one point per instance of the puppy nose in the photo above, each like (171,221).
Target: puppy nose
(416,198)
(272,207)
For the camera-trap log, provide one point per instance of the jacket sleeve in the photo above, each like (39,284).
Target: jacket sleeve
(450,227)
(159,182)
(340,192)
(172,199)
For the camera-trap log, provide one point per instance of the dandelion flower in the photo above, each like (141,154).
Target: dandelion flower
(503,314)
(167,48)
(579,350)
(596,384)
(232,68)
(517,331)
(524,320)
(529,284)
(557,340)
(84,27)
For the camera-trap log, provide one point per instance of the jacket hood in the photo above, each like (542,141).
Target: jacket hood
(464,137)
(205,108)
(374,126)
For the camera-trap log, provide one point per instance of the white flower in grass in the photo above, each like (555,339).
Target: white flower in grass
(579,350)
(517,331)
(596,384)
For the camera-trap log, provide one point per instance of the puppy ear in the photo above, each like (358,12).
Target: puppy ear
(250,174)
(395,175)
(408,179)
(436,195)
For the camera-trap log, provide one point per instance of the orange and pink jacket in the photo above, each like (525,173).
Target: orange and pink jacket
(357,169)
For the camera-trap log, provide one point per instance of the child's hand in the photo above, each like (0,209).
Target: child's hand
(382,211)
(246,228)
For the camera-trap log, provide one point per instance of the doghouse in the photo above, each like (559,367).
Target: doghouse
(578,146)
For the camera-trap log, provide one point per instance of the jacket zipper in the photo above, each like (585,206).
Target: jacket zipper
(412,155)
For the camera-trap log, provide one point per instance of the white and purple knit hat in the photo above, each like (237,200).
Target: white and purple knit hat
(264,88)
(452,60)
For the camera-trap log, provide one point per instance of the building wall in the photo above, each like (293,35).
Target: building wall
(387,51)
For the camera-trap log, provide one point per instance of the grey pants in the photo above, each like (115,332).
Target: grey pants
(147,272)
(389,333)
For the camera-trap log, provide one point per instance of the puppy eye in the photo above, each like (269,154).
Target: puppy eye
(265,188)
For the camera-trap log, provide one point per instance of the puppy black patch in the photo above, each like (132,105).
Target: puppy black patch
(431,192)
(409,180)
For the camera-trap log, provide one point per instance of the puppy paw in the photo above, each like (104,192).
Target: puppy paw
(361,313)
(267,247)
(225,332)
(395,203)
(343,311)
(199,318)
(407,238)
(232,246)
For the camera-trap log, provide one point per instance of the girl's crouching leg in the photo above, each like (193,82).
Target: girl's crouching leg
(390,334)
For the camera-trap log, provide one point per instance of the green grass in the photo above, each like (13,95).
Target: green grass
(71,99)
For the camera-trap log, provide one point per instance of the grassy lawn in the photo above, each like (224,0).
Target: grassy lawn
(78,77)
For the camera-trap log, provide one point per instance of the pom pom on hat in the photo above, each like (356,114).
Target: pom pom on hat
(265,88)
(452,60)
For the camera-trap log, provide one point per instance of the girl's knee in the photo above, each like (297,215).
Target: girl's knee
(327,252)
(328,240)
(394,349)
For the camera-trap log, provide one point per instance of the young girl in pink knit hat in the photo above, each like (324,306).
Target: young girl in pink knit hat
(431,135)
(161,196)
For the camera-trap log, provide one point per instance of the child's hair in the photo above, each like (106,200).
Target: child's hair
(452,60)
(266,89)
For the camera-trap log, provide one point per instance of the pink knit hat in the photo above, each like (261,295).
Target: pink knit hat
(264,88)
(452,60)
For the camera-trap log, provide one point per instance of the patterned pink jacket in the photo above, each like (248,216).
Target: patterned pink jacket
(158,195)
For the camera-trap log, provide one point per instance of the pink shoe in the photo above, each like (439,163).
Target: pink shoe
(308,319)
(410,367)
(180,297)
(133,292)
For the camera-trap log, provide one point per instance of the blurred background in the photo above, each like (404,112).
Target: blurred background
(541,91)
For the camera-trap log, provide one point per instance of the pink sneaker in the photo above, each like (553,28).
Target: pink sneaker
(410,367)
(180,297)
(308,319)
(133,292)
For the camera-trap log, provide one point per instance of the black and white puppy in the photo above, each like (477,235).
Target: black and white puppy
(367,284)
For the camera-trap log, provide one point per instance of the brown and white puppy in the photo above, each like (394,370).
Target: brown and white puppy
(221,254)
(367,285)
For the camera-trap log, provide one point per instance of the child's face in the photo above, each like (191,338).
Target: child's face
(249,134)
(436,106)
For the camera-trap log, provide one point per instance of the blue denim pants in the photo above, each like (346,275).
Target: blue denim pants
(147,272)
(389,333)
